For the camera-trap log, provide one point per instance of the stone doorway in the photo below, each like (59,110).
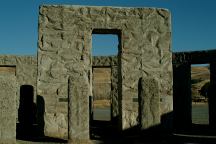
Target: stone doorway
(104,108)
(101,103)
(101,93)
(184,122)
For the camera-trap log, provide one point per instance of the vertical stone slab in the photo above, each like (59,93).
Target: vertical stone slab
(212,95)
(8,89)
(149,103)
(114,94)
(78,111)
(182,97)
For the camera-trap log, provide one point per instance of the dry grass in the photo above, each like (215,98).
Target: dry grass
(200,75)
(7,69)
(101,103)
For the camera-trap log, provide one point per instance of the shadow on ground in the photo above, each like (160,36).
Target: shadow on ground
(103,132)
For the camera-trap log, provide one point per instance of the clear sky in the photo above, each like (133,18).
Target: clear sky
(193,23)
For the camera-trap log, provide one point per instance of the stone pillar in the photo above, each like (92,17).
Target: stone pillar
(114,94)
(8,89)
(182,103)
(78,111)
(149,103)
(212,96)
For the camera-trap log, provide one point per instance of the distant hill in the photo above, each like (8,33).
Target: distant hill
(200,75)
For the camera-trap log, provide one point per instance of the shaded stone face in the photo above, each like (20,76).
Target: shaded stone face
(8,87)
(65,34)
(182,62)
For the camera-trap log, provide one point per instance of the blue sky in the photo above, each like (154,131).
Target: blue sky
(193,23)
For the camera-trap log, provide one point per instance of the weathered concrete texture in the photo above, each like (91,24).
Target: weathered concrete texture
(145,52)
(65,34)
(104,61)
(8,89)
(114,94)
(78,109)
(25,69)
(149,103)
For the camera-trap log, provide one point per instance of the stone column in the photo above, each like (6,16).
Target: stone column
(149,103)
(212,95)
(8,89)
(182,103)
(78,111)
(114,94)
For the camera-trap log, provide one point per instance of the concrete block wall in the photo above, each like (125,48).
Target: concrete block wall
(65,49)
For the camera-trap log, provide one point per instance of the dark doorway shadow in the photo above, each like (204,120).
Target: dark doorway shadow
(40,115)
(31,118)
(26,111)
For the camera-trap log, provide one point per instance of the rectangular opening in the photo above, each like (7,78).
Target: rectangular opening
(8,70)
(105,43)
(200,80)
(102,93)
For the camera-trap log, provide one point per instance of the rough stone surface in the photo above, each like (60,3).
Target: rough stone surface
(149,103)
(78,109)
(65,34)
(25,70)
(104,61)
(8,89)
(114,93)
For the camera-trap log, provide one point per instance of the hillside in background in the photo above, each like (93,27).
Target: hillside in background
(200,75)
